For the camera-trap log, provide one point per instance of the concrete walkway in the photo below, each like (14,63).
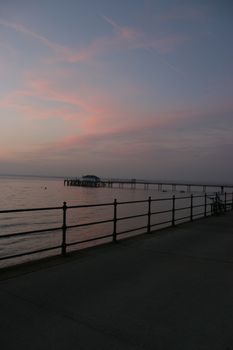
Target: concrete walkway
(169,290)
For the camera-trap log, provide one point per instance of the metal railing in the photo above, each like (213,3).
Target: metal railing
(175,212)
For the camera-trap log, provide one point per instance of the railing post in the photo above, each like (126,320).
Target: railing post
(115,221)
(205,207)
(149,215)
(64,227)
(216,204)
(225,201)
(173,209)
(191,208)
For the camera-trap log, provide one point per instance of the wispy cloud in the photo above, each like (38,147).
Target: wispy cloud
(144,141)
(24,30)
(84,111)
(123,37)
(126,33)
(90,110)
(135,39)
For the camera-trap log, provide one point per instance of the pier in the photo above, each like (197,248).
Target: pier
(169,290)
(150,184)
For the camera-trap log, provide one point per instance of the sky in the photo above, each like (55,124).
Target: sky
(128,89)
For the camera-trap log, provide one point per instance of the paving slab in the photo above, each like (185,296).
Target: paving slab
(172,289)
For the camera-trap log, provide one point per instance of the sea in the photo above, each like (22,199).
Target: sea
(25,192)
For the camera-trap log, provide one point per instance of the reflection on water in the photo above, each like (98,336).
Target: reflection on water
(18,193)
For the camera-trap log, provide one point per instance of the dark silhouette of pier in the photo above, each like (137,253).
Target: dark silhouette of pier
(159,185)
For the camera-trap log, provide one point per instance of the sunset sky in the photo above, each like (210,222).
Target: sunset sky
(126,88)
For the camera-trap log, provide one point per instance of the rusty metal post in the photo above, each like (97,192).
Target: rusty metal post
(173,209)
(64,228)
(149,215)
(115,221)
(205,207)
(191,208)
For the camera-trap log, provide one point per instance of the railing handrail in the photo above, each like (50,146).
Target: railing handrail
(4,211)
(217,205)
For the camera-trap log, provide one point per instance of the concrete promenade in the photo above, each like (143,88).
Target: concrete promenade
(168,290)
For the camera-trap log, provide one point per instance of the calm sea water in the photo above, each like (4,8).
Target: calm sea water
(26,192)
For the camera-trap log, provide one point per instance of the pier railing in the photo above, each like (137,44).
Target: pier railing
(157,213)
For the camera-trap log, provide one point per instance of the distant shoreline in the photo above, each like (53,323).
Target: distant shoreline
(32,176)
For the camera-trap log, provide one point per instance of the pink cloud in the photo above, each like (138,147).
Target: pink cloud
(88,111)
(85,109)
(124,32)
(93,119)
(93,112)
(145,138)
(99,127)
(115,134)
